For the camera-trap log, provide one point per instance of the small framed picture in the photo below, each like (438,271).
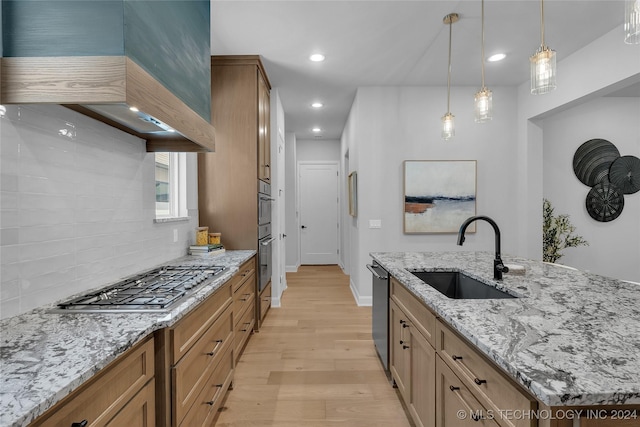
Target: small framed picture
(353,194)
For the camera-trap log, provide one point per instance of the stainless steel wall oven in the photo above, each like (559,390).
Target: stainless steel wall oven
(264,234)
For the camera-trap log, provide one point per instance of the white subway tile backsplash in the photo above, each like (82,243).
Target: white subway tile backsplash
(76,213)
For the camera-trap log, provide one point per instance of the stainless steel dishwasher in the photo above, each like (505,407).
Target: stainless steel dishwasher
(380,312)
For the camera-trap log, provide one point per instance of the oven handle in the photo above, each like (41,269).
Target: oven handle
(267,199)
(268,241)
(375,273)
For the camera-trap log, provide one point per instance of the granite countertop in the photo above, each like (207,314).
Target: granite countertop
(45,356)
(572,338)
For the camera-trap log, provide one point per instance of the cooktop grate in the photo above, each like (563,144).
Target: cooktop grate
(155,290)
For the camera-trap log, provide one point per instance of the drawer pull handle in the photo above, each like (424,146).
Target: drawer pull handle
(82,423)
(401,342)
(404,347)
(469,410)
(402,322)
(479,381)
(212,352)
(404,325)
(211,402)
(219,385)
(243,299)
(454,357)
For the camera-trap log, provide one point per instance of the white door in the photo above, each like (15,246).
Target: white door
(318,187)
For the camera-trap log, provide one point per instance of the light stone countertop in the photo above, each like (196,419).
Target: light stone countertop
(572,338)
(45,356)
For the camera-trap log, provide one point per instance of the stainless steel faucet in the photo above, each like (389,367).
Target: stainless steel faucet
(498,266)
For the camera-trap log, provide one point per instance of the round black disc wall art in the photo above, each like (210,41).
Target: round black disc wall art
(605,201)
(592,160)
(624,173)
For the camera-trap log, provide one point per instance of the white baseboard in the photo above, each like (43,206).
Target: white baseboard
(275,302)
(361,301)
(291,268)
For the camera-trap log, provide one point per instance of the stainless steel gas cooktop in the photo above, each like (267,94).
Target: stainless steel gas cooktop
(153,291)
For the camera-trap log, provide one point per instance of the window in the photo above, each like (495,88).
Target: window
(171,185)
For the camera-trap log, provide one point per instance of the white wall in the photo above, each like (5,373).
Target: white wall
(292,255)
(614,247)
(388,125)
(297,151)
(580,78)
(309,150)
(77,213)
(278,211)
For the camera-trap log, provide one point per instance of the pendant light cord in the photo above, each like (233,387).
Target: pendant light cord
(449,73)
(482,57)
(542,23)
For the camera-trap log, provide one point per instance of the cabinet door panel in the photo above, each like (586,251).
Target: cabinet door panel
(399,343)
(422,404)
(139,412)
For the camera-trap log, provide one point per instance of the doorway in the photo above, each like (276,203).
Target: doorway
(319,212)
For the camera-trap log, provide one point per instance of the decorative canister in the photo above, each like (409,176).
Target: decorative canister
(214,238)
(201,236)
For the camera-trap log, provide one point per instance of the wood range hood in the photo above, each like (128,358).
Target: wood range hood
(104,58)
(106,88)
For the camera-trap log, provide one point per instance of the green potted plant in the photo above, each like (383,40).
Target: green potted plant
(557,234)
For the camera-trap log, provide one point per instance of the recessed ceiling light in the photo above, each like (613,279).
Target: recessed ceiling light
(317,105)
(317,57)
(316,130)
(496,57)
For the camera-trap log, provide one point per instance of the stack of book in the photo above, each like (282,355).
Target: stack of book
(205,249)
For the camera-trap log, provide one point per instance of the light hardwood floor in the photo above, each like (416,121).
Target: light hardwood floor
(313,362)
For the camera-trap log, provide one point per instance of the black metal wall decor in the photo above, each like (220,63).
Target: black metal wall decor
(598,164)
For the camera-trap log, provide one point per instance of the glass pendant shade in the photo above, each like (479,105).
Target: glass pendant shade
(632,22)
(543,71)
(483,105)
(448,129)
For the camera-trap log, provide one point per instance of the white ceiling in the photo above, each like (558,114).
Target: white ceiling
(394,43)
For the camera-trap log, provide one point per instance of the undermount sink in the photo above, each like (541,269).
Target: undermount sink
(456,285)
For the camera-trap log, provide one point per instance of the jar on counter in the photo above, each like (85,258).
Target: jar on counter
(201,236)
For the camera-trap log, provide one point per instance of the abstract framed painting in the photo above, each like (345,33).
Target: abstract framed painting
(438,195)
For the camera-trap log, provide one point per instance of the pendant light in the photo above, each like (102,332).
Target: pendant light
(448,129)
(632,21)
(484,98)
(543,64)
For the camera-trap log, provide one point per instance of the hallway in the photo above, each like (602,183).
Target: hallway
(313,362)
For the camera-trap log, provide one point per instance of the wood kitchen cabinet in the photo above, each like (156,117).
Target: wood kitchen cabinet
(195,362)
(228,178)
(455,404)
(486,383)
(244,297)
(121,394)
(412,356)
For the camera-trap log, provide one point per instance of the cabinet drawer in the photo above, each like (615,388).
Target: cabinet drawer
(100,399)
(204,409)
(265,301)
(191,373)
(455,404)
(492,388)
(243,328)
(244,296)
(421,317)
(192,326)
(245,270)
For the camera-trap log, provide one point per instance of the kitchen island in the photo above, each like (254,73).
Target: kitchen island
(46,356)
(570,338)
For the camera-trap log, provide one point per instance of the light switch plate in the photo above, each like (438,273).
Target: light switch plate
(375,223)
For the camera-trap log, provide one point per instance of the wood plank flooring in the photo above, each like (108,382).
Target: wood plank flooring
(313,363)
